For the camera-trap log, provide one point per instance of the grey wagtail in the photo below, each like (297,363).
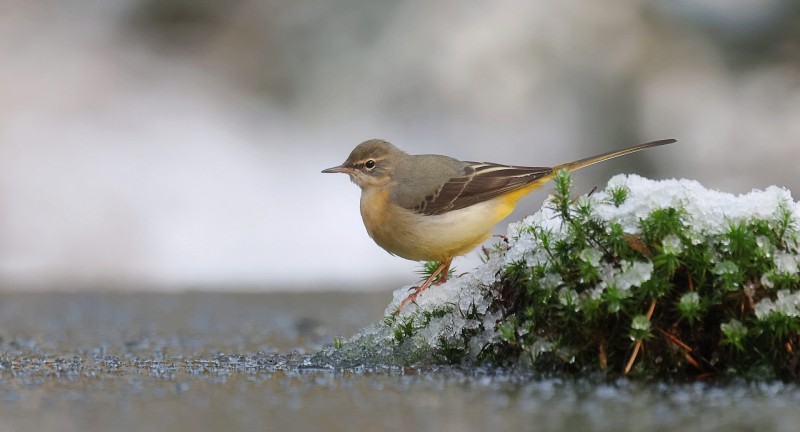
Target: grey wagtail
(435,208)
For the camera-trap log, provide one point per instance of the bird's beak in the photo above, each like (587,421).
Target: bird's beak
(338,169)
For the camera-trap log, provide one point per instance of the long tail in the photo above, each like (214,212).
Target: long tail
(578,164)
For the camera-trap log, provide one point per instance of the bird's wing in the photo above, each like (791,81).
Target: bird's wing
(468,183)
(480,181)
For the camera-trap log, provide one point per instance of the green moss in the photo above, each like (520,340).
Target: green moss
(429,267)
(704,293)
(619,195)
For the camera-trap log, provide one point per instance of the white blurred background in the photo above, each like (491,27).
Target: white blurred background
(177,144)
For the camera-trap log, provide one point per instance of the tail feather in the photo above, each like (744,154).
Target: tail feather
(578,164)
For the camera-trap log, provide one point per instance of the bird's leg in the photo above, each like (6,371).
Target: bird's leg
(443,266)
(444,272)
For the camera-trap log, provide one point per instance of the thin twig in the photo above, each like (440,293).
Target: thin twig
(693,362)
(674,339)
(603,356)
(686,348)
(638,345)
(650,311)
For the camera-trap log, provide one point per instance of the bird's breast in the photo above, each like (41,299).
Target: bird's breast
(422,237)
(374,204)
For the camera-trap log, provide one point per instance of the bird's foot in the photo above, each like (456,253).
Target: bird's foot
(410,299)
(413,296)
(440,272)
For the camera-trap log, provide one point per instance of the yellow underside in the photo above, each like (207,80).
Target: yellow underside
(508,202)
(435,237)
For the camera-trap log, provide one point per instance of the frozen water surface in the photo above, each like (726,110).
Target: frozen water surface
(197,362)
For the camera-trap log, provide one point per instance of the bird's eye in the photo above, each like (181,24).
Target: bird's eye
(370,164)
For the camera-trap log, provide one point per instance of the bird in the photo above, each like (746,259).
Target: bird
(432,207)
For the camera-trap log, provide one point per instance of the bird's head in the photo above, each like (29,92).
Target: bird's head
(371,163)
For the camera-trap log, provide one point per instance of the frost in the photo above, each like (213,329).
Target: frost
(629,275)
(591,256)
(725,267)
(524,243)
(786,304)
(640,327)
(733,328)
(596,293)
(672,245)
(568,297)
(690,299)
(708,211)
(541,346)
(786,263)
(764,245)
(551,281)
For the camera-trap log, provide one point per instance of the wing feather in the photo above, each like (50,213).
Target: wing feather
(480,182)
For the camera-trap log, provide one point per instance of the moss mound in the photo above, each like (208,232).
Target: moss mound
(656,279)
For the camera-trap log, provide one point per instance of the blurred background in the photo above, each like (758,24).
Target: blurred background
(177,144)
